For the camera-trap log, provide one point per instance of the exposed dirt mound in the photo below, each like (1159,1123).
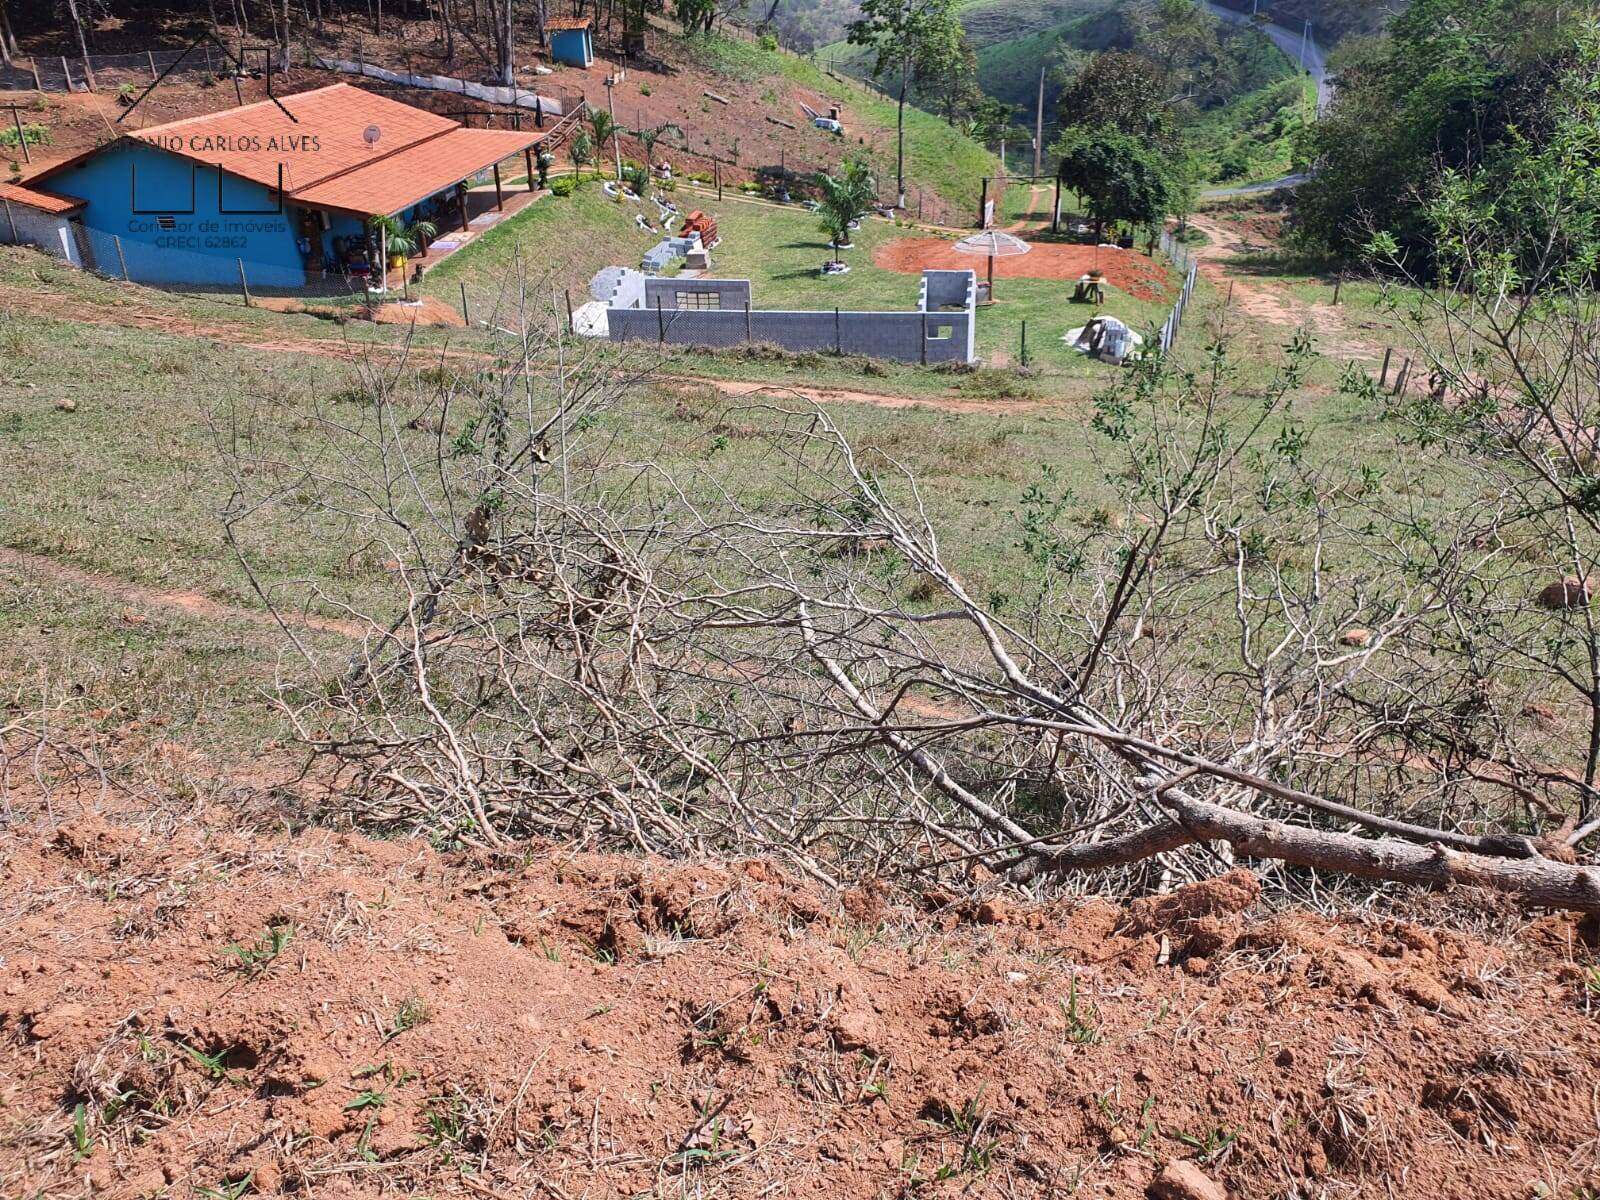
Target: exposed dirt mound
(1126,270)
(186,1005)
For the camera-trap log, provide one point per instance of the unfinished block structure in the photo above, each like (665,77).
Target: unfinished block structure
(720,312)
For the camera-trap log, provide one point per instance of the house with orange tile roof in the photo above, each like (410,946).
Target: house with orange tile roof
(284,186)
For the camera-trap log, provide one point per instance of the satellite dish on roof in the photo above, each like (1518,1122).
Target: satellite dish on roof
(370,135)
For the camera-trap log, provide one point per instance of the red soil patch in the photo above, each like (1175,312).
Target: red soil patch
(1126,270)
(424,311)
(573,1024)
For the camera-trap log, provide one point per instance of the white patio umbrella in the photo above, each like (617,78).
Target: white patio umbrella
(994,244)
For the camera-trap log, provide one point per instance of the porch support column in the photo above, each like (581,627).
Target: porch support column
(461,198)
(499,199)
(527,161)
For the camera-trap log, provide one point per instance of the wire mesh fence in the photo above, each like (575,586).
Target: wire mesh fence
(161,264)
(1185,262)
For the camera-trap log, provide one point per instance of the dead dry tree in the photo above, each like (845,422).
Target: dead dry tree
(603,640)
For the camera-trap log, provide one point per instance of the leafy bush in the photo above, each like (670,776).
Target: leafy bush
(564,186)
(35,135)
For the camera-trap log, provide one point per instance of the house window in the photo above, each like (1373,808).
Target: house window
(700,300)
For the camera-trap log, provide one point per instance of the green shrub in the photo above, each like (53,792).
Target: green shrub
(564,186)
(33,134)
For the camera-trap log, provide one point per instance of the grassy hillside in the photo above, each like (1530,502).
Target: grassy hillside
(1008,69)
(1254,137)
(939,158)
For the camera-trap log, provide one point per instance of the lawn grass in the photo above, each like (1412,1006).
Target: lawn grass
(132,484)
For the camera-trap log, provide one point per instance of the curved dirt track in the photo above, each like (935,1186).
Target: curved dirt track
(1268,303)
(176,601)
(61,307)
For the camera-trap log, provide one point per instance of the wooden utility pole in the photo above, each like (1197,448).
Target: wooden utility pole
(1038,128)
(616,134)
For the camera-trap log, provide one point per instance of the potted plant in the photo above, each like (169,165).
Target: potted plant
(400,240)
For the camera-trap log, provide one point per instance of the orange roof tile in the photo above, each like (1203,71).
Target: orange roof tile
(324,140)
(400,180)
(559,24)
(43,201)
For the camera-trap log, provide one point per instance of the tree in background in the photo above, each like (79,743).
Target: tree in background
(1120,177)
(898,32)
(1457,84)
(946,68)
(8,38)
(846,198)
(605,132)
(1122,90)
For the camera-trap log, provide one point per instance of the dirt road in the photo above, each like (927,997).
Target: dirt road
(1271,302)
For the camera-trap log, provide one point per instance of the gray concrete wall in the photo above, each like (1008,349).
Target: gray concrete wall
(731,293)
(897,335)
(924,335)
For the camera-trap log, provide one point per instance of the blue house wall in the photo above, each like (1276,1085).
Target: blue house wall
(205,243)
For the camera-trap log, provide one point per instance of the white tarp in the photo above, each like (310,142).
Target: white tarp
(513,97)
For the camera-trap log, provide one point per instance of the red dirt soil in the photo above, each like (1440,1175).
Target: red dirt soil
(570,1024)
(1126,270)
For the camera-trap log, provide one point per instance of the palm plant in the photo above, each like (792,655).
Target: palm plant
(605,129)
(846,198)
(388,234)
(581,151)
(649,137)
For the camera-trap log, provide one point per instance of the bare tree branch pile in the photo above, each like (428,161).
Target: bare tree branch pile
(598,648)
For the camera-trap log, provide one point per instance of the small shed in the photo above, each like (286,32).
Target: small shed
(571,40)
(51,222)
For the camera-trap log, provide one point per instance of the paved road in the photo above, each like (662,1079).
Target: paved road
(1250,189)
(1292,42)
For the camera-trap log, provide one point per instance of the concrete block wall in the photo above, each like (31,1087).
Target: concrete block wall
(731,293)
(926,334)
(896,335)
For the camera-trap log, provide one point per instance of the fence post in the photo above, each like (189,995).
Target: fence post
(1336,285)
(661,322)
(1383,375)
(838,332)
(16,238)
(572,326)
(466,316)
(1024,341)
(67,71)
(150,54)
(121,258)
(748,328)
(22,138)
(244,285)
(33,65)
(1402,377)
(924,337)
(1230,293)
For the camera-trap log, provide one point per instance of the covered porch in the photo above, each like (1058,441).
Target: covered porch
(460,185)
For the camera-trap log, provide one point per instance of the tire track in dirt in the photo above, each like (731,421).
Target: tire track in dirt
(1268,304)
(178,601)
(62,307)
